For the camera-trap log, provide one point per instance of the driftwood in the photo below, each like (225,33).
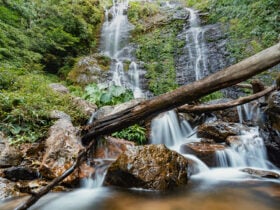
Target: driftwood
(222,79)
(36,196)
(215,107)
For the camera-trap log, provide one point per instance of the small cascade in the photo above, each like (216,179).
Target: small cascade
(118,74)
(96,180)
(134,81)
(249,151)
(199,166)
(196,46)
(169,130)
(248,112)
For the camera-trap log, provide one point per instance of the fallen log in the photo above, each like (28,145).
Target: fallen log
(197,109)
(222,79)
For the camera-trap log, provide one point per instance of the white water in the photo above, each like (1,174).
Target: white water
(169,130)
(114,43)
(249,151)
(196,46)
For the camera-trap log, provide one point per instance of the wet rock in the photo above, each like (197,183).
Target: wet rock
(270,128)
(61,150)
(219,130)
(227,115)
(261,173)
(59,88)
(89,69)
(8,189)
(85,106)
(150,167)
(111,147)
(233,140)
(273,110)
(20,173)
(9,155)
(204,151)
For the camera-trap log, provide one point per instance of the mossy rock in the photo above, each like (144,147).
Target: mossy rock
(90,69)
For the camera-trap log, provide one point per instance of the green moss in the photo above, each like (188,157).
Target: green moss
(157,49)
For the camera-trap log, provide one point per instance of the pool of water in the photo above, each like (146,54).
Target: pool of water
(199,194)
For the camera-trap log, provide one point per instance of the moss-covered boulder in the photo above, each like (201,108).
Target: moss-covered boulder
(89,69)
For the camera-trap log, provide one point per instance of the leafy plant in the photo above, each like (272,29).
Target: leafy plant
(212,96)
(134,133)
(103,94)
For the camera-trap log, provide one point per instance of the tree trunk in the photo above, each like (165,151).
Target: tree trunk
(215,107)
(222,79)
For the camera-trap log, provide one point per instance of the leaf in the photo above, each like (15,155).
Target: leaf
(105,98)
(117,90)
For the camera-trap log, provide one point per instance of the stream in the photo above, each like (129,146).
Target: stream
(220,188)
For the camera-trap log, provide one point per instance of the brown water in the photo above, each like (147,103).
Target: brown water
(249,195)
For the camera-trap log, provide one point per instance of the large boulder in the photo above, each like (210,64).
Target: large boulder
(219,131)
(149,167)
(204,151)
(61,149)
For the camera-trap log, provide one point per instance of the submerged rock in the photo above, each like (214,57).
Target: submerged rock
(219,130)
(150,167)
(261,173)
(204,151)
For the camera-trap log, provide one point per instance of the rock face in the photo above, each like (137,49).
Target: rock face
(204,151)
(150,167)
(62,147)
(20,173)
(270,129)
(219,130)
(90,69)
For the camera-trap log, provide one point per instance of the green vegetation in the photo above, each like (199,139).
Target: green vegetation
(212,96)
(157,46)
(26,102)
(49,34)
(102,94)
(134,133)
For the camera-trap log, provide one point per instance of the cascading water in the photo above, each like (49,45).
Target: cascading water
(248,151)
(196,47)
(114,43)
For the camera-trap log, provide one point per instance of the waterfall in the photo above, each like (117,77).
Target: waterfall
(195,43)
(248,151)
(169,130)
(115,44)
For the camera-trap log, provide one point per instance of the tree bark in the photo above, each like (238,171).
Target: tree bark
(215,107)
(222,79)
